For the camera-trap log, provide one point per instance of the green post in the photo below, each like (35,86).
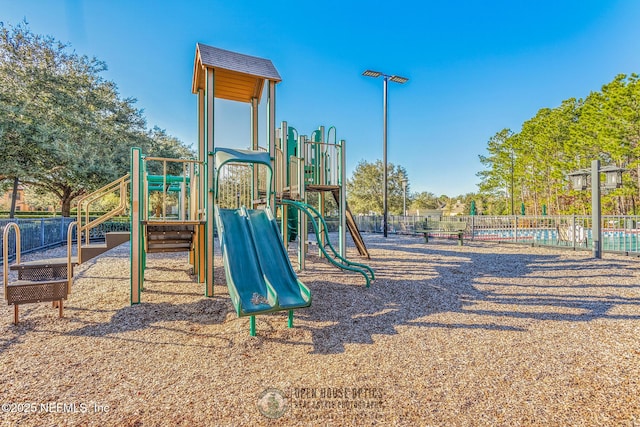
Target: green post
(290,324)
(252,326)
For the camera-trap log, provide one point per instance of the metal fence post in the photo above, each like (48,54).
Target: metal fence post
(42,232)
(473,227)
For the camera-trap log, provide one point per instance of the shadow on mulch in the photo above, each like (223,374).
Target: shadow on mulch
(448,283)
(358,313)
(147,315)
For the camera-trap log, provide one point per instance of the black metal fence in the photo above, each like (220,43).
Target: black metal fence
(620,234)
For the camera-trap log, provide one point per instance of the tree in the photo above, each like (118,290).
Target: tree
(557,141)
(364,189)
(63,127)
(424,201)
(610,125)
(499,176)
(41,200)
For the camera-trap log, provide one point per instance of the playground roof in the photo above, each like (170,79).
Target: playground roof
(230,155)
(238,77)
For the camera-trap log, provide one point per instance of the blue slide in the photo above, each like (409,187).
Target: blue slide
(259,274)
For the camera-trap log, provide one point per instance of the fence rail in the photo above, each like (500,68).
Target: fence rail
(620,234)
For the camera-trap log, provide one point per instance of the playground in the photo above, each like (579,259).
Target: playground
(228,301)
(482,334)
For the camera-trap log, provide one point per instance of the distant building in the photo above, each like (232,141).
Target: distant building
(21,203)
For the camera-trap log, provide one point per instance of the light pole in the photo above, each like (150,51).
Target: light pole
(579,182)
(386,78)
(404,196)
(512,210)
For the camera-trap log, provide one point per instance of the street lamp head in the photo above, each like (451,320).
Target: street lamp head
(371,73)
(613,177)
(579,179)
(399,79)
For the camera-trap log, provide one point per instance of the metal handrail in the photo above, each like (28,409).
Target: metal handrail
(172,160)
(69,253)
(98,194)
(85,202)
(5,252)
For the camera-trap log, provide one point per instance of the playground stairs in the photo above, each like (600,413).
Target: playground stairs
(112,239)
(169,237)
(50,280)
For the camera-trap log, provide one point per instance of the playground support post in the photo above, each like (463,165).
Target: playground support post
(303,236)
(137,267)
(284,146)
(343,200)
(254,146)
(271,135)
(208,189)
(596,211)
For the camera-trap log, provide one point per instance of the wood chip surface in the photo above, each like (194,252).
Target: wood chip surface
(482,334)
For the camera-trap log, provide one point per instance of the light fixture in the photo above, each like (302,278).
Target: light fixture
(579,179)
(399,79)
(613,177)
(370,73)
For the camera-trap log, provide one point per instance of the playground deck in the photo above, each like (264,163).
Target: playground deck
(482,334)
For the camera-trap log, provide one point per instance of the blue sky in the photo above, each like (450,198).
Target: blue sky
(475,67)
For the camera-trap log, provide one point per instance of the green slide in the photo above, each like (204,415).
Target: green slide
(249,292)
(336,259)
(274,261)
(258,271)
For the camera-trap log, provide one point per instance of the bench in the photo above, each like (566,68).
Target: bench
(568,234)
(449,228)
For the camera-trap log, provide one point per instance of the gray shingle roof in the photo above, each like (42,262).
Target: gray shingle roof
(224,59)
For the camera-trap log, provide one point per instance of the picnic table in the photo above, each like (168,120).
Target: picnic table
(448,228)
